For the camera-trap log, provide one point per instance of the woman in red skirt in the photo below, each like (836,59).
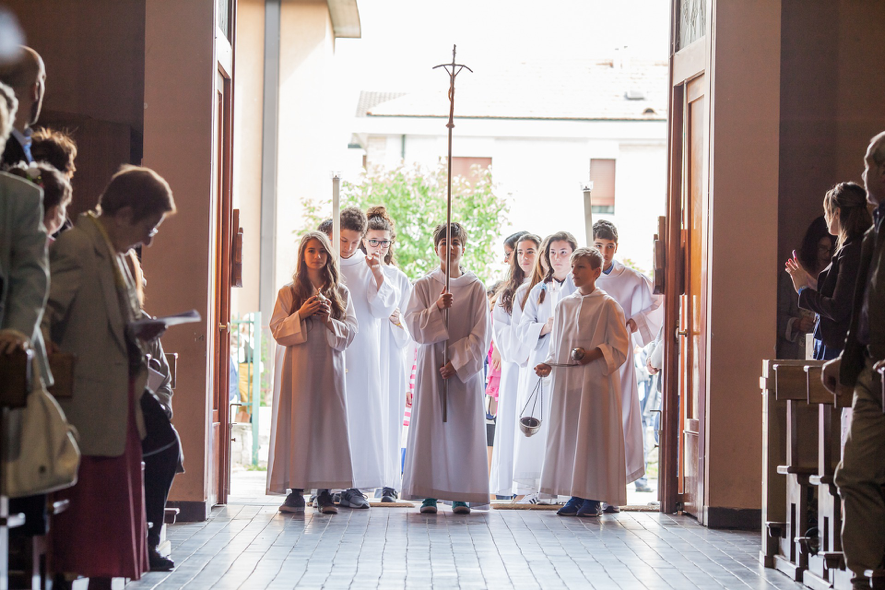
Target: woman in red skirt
(92,304)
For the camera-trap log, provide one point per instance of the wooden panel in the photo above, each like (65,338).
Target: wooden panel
(817,393)
(671,429)
(693,312)
(790,382)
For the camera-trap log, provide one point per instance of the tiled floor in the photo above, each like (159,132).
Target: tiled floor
(254,547)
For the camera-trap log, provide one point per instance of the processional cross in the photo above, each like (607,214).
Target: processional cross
(453,69)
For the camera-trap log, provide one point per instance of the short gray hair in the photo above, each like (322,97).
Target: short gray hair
(877,149)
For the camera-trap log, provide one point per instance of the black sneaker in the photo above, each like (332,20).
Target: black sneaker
(389,495)
(294,502)
(324,503)
(158,563)
(353,498)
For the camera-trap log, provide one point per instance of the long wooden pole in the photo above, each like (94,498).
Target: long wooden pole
(453,72)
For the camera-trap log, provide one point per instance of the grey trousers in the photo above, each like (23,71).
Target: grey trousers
(861,475)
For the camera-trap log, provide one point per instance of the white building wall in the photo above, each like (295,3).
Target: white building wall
(539,167)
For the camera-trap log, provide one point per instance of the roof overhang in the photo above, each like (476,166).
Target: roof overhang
(345,19)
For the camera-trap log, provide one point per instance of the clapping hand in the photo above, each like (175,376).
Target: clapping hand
(798,274)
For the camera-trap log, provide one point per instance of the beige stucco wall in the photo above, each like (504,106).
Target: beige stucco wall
(743,188)
(831,103)
(178,119)
(305,144)
(248,113)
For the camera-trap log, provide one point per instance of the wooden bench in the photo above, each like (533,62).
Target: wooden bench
(795,430)
(826,563)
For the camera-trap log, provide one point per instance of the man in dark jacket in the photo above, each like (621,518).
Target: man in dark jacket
(861,474)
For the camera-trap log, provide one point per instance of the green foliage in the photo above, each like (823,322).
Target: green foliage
(630,263)
(415,198)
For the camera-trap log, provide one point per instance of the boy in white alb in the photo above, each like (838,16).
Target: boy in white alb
(644,316)
(374,299)
(585,441)
(448,460)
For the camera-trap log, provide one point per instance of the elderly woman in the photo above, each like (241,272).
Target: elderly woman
(92,304)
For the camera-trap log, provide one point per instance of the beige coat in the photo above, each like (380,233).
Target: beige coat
(83,316)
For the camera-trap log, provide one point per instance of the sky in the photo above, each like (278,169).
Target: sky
(403,39)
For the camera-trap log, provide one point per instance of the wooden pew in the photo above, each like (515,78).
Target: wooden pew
(826,565)
(797,432)
(774,453)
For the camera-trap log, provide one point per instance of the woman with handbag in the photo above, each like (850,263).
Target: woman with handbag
(92,304)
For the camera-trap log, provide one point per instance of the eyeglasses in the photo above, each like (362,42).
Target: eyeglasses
(382,243)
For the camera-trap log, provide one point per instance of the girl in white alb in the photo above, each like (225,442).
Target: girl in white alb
(394,346)
(514,355)
(534,328)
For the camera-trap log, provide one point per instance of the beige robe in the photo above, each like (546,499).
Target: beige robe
(309,446)
(448,460)
(585,439)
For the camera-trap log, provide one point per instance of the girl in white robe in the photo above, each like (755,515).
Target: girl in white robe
(448,460)
(394,344)
(514,355)
(584,458)
(313,322)
(644,317)
(534,329)
(374,299)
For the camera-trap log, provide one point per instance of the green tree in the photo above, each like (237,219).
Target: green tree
(415,198)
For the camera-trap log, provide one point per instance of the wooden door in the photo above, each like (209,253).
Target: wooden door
(219,484)
(692,302)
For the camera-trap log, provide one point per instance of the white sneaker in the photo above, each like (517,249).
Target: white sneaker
(532,498)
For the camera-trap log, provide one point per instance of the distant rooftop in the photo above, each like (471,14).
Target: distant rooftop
(369,100)
(550,89)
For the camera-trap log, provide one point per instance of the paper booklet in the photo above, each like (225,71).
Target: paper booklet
(170,320)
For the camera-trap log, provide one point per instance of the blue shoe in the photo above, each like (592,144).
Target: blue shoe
(428,506)
(571,507)
(460,508)
(590,508)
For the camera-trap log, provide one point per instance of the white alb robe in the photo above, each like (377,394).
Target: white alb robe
(309,447)
(514,355)
(633,293)
(366,397)
(529,451)
(395,376)
(585,443)
(448,460)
